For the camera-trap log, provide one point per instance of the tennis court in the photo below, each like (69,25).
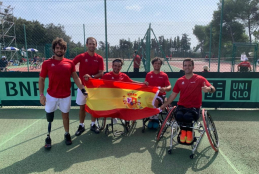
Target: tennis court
(175,65)
(23,131)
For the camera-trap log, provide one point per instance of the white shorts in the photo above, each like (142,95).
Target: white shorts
(53,103)
(80,98)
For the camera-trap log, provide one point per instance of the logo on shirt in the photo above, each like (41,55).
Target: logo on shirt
(160,77)
(96,60)
(86,60)
(183,83)
(52,64)
(151,76)
(193,82)
(112,77)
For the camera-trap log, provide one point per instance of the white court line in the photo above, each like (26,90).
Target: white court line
(20,132)
(229,162)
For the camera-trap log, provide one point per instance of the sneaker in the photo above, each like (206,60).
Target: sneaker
(189,137)
(183,136)
(114,120)
(150,124)
(155,123)
(68,139)
(47,142)
(80,130)
(95,129)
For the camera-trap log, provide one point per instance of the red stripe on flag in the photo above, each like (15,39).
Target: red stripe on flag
(99,83)
(126,114)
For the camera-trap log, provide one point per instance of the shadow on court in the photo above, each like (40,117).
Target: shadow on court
(136,152)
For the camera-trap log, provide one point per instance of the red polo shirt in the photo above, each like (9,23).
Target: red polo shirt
(161,79)
(137,59)
(59,73)
(89,64)
(117,77)
(190,90)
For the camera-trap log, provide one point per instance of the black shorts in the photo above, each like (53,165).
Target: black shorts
(187,115)
(136,69)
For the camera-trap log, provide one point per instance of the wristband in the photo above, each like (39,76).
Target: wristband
(92,76)
(84,91)
(41,95)
(211,89)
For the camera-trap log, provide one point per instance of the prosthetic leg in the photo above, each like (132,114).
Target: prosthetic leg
(50,117)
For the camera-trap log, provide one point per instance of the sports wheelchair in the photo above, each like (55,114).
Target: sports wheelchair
(161,116)
(208,126)
(127,125)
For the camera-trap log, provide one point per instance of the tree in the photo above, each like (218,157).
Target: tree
(248,14)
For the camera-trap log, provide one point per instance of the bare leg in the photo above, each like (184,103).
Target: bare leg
(82,114)
(93,119)
(65,117)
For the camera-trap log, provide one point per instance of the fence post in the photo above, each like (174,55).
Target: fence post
(220,33)
(106,44)
(26,46)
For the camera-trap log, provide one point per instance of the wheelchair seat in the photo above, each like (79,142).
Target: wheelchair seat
(199,127)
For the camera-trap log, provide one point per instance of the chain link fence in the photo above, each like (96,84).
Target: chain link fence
(170,29)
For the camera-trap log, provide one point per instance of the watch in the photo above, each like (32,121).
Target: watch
(92,76)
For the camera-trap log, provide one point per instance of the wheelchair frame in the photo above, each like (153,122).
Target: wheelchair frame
(101,122)
(160,119)
(208,127)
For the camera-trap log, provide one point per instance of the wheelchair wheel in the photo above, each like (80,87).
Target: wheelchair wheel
(211,130)
(101,123)
(166,123)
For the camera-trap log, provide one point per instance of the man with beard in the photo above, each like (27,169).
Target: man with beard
(157,78)
(91,66)
(116,75)
(188,107)
(59,70)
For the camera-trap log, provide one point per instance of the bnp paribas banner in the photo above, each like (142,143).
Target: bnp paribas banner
(233,90)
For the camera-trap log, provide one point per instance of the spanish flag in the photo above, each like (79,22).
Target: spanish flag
(128,101)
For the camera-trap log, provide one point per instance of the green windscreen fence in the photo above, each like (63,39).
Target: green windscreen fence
(233,90)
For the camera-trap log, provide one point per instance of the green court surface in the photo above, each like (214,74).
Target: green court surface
(23,132)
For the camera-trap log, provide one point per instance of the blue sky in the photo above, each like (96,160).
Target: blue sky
(128,19)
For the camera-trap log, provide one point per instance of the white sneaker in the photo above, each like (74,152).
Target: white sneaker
(115,120)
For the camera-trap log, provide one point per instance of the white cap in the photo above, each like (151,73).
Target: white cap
(205,67)
(246,59)
(3,57)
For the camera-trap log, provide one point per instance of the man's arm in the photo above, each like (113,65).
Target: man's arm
(206,89)
(79,83)
(96,76)
(165,89)
(41,90)
(99,75)
(169,100)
